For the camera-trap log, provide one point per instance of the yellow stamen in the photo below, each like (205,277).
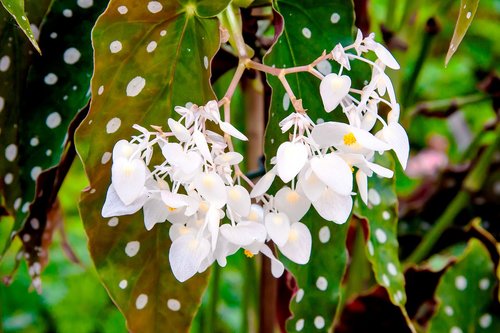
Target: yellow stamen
(349,139)
(249,254)
(171,209)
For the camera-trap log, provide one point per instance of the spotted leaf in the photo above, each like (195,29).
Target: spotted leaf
(381,214)
(466,13)
(149,57)
(16,9)
(305,29)
(465,294)
(49,96)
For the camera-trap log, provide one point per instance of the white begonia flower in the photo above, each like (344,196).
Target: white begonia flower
(347,138)
(186,255)
(128,178)
(124,149)
(339,55)
(201,144)
(229,158)
(211,187)
(310,184)
(212,221)
(256,214)
(385,56)
(333,206)
(181,133)
(244,233)
(362,182)
(238,200)
(114,206)
(298,245)
(278,227)
(180,229)
(334,172)
(333,89)
(291,202)
(395,135)
(290,159)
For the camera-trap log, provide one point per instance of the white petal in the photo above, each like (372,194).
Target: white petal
(244,233)
(113,206)
(368,140)
(333,89)
(291,157)
(177,230)
(370,117)
(212,220)
(238,200)
(293,203)
(396,136)
(180,132)
(173,153)
(263,184)
(231,130)
(128,178)
(334,172)
(174,200)
(256,214)
(125,149)
(211,187)
(380,170)
(311,185)
(277,267)
(177,215)
(278,226)
(191,163)
(298,246)
(333,207)
(229,158)
(154,212)
(385,56)
(329,133)
(362,181)
(186,254)
(224,249)
(201,143)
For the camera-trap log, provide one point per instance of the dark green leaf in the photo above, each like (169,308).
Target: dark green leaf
(167,50)
(308,30)
(468,9)
(16,9)
(465,294)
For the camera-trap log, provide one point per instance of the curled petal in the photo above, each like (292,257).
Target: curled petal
(263,184)
(180,132)
(362,181)
(154,212)
(201,144)
(396,136)
(124,149)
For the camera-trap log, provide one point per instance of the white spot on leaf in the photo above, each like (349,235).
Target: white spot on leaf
(322,283)
(115,46)
(113,125)
(460,282)
(319,322)
(123,10)
(4,63)
(35,172)
(306,32)
(71,56)
(50,79)
(85,3)
(381,236)
(324,234)
(141,301)
(11,152)
(135,86)
(154,7)
(335,18)
(53,120)
(174,304)
(151,46)
(132,248)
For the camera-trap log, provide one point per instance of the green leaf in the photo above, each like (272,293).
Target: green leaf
(308,31)
(465,294)
(16,9)
(468,9)
(167,51)
(45,102)
(382,245)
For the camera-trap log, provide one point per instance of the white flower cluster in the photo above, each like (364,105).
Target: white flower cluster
(197,186)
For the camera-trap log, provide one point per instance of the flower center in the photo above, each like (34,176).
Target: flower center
(349,139)
(292,197)
(249,254)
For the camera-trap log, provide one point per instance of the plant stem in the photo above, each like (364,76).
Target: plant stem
(212,302)
(268,297)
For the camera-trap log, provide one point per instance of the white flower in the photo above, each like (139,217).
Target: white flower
(333,89)
(298,245)
(186,255)
(290,159)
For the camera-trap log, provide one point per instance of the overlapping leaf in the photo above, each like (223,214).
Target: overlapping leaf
(467,11)
(465,294)
(309,28)
(149,57)
(45,102)
(382,245)
(16,9)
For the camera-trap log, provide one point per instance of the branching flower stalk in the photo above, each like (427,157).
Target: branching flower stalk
(214,209)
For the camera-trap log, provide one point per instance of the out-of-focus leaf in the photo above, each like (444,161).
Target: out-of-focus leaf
(467,11)
(465,294)
(167,48)
(16,9)
(48,98)
(306,30)
(382,245)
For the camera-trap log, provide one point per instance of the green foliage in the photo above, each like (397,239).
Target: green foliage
(16,9)
(465,294)
(468,9)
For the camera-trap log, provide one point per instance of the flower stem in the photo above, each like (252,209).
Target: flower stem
(212,302)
